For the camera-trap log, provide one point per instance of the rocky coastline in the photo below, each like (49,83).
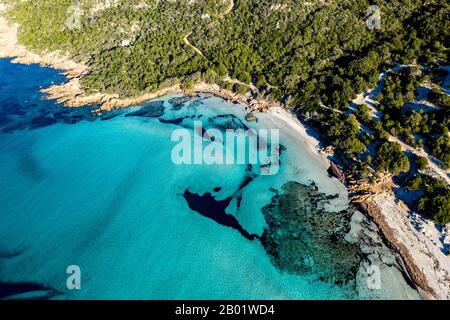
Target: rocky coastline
(432,280)
(420,263)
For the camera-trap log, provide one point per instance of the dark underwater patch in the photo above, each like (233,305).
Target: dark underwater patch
(30,116)
(40,122)
(209,207)
(198,102)
(175,121)
(30,167)
(11,254)
(249,177)
(111,115)
(13,109)
(23,107)
(303,238)
(8,290)
(153,109)
(3,120)
(225,122)
(12,128)
(179,102)
(220,122)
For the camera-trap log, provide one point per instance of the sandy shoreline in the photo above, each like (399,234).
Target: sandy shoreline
(428,268)
(422,260)
(423,265)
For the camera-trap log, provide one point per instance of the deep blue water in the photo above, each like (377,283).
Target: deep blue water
(102,193)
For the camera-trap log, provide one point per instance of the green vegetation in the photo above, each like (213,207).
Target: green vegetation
(440,148)
(363,114)
(390,158)
(343,131)
(398,90)
(300,51)
(414,183)
(431,126)
(436,201)
(435,197)
(421,163)
(240,88)
(439,98)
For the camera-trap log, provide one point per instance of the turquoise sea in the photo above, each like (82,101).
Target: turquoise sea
(102,193)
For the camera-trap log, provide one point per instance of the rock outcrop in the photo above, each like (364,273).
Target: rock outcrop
(334,171)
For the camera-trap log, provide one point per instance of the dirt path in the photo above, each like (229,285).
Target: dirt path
(186,41)
(369,98)
(221,16)
(227,10)
(231,80)
(431,162)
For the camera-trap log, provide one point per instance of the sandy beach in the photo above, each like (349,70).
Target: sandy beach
(428,267)
(424,262)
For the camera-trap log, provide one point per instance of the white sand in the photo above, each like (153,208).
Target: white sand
(424,246)
(309,142)
(427,256)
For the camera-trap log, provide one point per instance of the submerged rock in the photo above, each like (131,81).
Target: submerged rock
(175,121)
(303,238)
(225,122)
(250,117)
(334,171)
(111,115)
(152,109)
(178,103)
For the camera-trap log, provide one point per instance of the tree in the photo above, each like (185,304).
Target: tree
(210,76)
(240,88)
(440,148)
(343,131)
(421,162)
(363,114)
(389,157)
(436,203)
(414,183)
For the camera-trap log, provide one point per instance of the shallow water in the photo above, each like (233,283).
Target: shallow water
(104,194)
